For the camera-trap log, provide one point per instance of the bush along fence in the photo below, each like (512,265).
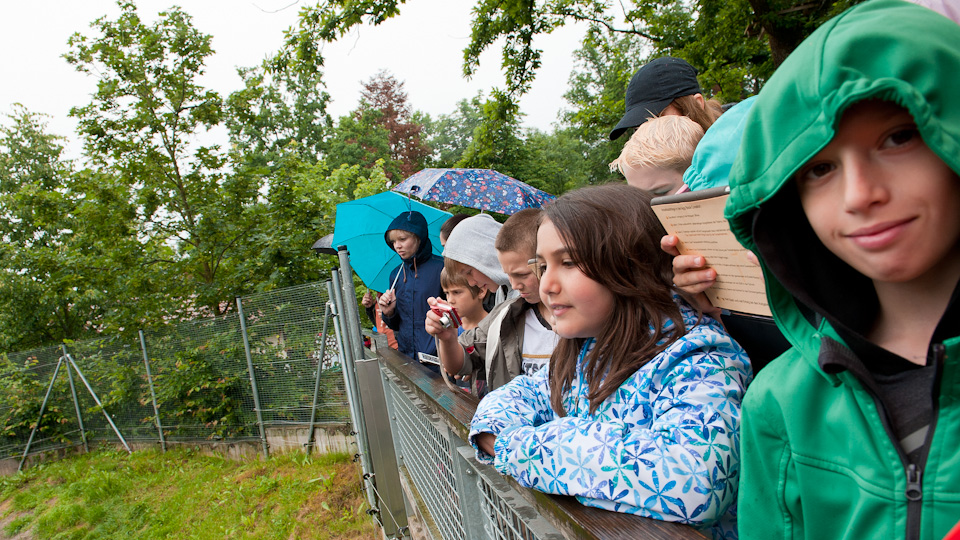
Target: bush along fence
(271,368)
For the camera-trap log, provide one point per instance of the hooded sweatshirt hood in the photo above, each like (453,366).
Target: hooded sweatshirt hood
(883,49)
(472,242)
(710,166)
(412,222)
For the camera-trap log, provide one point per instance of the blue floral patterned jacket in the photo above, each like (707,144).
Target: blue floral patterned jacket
(665,445)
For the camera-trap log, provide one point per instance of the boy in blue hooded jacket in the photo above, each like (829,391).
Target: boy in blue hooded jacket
(417,278)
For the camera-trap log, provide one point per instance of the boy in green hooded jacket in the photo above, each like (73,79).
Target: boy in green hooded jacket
(846,187)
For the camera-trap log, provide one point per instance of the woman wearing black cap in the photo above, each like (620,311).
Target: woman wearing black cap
(666,86)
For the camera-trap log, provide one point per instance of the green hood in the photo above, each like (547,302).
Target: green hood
(881,49)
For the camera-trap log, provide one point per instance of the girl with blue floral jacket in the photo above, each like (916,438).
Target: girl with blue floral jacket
(639,408)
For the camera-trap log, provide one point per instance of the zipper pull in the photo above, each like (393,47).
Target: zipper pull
(914,491)
(939,351)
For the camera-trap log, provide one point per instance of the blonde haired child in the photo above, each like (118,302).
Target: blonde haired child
(658,153)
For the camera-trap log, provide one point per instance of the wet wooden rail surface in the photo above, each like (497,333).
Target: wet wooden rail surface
(565,513)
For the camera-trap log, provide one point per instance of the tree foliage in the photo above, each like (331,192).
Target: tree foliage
(143,125)
(450,134)
(67,237)
(735,44)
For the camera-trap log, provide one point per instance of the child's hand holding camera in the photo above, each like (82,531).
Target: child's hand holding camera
(442,320)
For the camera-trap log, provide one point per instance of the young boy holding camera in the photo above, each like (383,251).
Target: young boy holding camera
(515,338)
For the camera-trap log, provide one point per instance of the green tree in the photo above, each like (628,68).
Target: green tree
(604,65)
(143,126)
(283,103)
(497,142)
(450,134)
(556,162)
(279,130)
(359,138)
(68,238)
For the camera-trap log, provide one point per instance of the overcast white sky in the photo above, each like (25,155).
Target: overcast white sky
(421,47)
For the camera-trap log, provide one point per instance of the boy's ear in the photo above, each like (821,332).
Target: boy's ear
(483,293)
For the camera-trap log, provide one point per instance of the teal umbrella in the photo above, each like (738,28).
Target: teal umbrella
(360,225)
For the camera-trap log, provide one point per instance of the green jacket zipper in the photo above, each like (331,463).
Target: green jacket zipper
(914,472)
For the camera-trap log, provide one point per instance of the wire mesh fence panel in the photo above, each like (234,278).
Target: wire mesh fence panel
(200,376)
(201,380)
(114,368)
(25,377)
(426,453)
(500,521)
(285,331)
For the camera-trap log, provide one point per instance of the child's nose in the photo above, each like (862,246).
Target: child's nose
(548,283)
(864,184)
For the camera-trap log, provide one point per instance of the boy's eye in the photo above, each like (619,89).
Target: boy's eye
(815,172)
(901,137)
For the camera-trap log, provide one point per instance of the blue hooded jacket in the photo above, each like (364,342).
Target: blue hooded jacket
(710,166)
(420,280)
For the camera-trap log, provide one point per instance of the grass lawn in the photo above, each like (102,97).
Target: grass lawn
(183,494)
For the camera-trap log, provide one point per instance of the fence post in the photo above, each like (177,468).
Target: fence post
(43,407)
(76,403)
(316,384)
(385,478)
(347,381)
(351,311)
(253,378)
(350,379)
(93,394)
(468,490)
(153,395)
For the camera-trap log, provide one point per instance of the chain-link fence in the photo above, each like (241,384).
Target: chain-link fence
(225,378)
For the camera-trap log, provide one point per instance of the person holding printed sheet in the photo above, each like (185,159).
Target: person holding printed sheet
(847,189)
(638,410)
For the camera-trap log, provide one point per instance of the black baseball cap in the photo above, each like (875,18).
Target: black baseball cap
(653,87)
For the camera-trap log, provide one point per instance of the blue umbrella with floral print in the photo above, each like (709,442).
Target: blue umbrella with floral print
(485,189)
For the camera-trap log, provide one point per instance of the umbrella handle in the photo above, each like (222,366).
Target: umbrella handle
(394,284)
(409,200)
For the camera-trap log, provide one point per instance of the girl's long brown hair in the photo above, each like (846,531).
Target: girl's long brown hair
(613,236)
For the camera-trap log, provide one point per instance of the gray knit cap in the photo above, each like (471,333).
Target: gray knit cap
(472,242)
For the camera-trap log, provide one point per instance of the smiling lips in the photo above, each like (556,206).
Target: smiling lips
(881,235)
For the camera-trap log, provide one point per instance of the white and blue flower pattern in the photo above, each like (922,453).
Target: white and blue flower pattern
(665,445)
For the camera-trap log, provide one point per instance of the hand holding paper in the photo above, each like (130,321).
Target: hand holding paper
(703,237)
